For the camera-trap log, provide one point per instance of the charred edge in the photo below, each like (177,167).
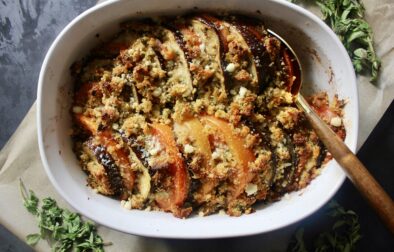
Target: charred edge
(139,151)
(110,167)
(294,160)
(215,24)
(126,93)
(264,135)
(322,154)
(175,28)
(277,188)
(160,57)
(273,158)
(194,185)
(254,39)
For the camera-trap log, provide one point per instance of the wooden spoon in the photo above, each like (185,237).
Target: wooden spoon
(354,169)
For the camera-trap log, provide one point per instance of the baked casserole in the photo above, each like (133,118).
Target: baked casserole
(195,114)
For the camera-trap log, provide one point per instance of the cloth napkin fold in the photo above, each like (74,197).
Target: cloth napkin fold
(20,159)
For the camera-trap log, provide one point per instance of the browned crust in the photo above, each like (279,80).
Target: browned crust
(159,74)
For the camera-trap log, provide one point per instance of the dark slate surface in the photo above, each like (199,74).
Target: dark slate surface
(27,30)
(28,27)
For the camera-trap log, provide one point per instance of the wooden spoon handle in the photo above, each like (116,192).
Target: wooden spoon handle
(355,170)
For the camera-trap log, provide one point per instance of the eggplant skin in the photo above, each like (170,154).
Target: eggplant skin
(111,170)
(255,35)
(237,59)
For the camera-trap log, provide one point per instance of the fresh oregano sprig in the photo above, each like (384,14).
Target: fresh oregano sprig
(346,18)
(64,230)
(343,235)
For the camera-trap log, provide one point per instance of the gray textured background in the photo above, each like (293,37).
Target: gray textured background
(28,27)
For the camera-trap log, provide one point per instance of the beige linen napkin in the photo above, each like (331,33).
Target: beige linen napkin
(20,159)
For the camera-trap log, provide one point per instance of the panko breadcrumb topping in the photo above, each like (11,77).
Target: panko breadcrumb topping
(195,115)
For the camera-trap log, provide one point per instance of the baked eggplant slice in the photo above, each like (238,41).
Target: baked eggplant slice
(200,44)
(309,150)
(255,35)
(142,182)
(172,60)
(104,175)
(121,158)
(286,159)
(179,80)
(110,151)
(268,164)
(148,74)
(113,146)
(236,57)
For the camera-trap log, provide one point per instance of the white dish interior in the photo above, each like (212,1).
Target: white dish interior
(326,65)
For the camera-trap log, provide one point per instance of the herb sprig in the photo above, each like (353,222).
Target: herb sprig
(343,235)
(64,230)
(346,18)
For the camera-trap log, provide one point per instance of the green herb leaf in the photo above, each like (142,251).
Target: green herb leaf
(30,201)
(32,239)
(297,243)
(65,230)
(343,235)
(346,18)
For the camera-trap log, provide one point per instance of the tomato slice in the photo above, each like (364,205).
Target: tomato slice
(237,147)
(195,130)
(82,94)
(293,71)
(177,169)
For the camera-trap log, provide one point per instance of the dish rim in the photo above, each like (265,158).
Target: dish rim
(352,145)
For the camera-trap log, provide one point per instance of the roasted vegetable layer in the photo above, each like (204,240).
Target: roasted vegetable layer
(195,113)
